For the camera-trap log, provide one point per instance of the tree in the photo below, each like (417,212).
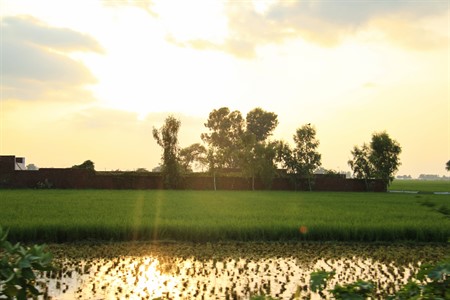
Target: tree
(307,159)
(261,123)
(384,156)
(167,138)
(447,166)
(87,165)
(226,129)
(32,167)
(379,160)
(360,164)
(304,158)
(190,155)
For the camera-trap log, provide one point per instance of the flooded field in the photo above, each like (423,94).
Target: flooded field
(228,270)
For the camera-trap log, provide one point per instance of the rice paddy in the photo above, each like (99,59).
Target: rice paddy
(227,270)
(208,216)
(420,185)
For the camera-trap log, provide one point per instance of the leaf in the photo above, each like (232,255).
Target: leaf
(319,280)
(10,291)
(24,263)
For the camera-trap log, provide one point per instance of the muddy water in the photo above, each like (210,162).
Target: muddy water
(226,271)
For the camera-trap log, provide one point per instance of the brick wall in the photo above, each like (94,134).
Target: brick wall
(87,179)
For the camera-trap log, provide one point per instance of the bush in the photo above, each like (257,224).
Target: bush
(17,268)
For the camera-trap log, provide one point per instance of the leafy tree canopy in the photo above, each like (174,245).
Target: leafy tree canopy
(167,138)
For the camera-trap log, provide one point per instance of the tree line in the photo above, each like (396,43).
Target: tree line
(234,143)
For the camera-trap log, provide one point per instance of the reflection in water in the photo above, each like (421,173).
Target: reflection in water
(149,277)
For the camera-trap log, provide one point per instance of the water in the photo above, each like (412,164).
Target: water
(228,271)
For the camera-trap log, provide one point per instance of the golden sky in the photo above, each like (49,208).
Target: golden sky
(89,79)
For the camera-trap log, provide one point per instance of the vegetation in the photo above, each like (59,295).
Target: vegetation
(379,160)
(447,166)
(304,158)
(18,267)
(237,144)
(87,165)
(431,282)
(420,185)
(167,138)
(69,215)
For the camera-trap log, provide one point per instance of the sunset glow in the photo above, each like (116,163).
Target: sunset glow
(89,79)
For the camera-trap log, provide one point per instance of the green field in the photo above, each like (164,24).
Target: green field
(420,185)
(71,215)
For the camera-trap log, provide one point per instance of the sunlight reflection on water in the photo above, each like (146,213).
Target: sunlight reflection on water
(148,277)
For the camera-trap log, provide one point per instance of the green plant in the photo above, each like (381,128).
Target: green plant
(17,268)
(431,282)
(358,290)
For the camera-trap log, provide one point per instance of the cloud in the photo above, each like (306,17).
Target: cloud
(35,61)
(325,23)
(146,5)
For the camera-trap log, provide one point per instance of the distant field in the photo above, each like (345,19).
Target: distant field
(70,215)
(420,185)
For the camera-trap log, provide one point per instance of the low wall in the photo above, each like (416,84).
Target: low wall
(87,179)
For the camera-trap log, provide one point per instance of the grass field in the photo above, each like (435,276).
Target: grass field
(70,215)
(420,185)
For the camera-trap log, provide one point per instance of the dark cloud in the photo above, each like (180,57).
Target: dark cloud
(322,22)
(35,62)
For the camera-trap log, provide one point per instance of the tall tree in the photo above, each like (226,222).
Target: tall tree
(384,156)
(447,166)
(307,157)
(360,164)
(226,130)
(167,138)
(304,158)
(261,123)
(379,160)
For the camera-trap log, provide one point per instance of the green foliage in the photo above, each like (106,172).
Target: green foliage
(359,290)
(385,156)
(360,164)
(304,158)
(18,266)
(261,123)
(379,160)
(319,280)
(432,282)
(70,215)
(167,138)
(192,154)
(421,185)
(225,131)
(86,165)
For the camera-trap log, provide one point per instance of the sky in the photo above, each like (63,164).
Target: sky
(90,79)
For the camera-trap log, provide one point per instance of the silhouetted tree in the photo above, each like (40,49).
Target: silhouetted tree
(167,138)
(361,165)
(226,129)
(87,165)
(384,156)
(447,166)
(304,158)
(381,160)
(32,167)
(261,123)
(190,155)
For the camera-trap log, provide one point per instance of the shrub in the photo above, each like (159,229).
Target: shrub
(17,268)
